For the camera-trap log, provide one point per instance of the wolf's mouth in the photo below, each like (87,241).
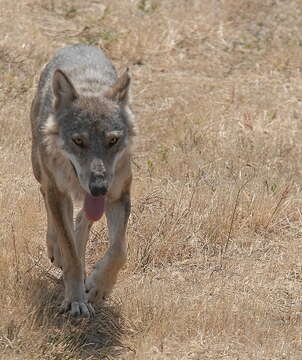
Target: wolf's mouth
(94,206)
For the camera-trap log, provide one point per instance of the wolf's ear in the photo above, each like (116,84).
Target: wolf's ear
(63,89)
(120,90)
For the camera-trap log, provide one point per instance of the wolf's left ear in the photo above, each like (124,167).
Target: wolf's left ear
(63,89)
(120,90)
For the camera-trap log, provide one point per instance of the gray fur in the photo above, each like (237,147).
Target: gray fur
(82,131)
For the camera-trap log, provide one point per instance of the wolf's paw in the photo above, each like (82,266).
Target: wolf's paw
(97,288)
(77,309)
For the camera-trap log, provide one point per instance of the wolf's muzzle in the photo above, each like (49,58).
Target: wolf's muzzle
(98,185)
(97,190)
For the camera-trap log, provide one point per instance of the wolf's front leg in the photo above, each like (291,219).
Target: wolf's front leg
(100,283)
(61,209)
(82,228)
(53,250)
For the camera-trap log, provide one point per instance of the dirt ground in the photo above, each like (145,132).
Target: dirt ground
(214,268)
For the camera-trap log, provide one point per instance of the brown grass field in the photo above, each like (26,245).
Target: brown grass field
(215,267)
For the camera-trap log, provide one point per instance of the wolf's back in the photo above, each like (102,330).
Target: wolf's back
(86,66)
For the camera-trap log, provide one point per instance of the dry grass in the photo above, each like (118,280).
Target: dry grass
(215,264)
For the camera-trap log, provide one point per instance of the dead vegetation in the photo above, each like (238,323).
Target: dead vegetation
(214,268)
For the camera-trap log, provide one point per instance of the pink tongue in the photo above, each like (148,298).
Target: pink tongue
(94,207)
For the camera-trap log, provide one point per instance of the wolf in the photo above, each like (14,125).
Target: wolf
(82,132)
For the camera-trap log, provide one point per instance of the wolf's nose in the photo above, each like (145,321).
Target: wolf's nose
(98,189)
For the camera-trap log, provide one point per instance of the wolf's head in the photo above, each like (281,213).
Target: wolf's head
(93,133)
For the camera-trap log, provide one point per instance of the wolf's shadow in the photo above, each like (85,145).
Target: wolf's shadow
(99,336)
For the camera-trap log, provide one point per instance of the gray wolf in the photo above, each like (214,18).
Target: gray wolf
(82,131)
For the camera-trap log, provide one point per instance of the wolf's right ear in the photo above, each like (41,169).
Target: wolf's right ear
(63,89)
(120,90)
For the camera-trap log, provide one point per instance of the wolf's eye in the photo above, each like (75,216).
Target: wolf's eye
(113,141)
(78,141)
